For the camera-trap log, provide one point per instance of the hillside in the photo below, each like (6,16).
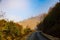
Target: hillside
(32,22)
(51,23)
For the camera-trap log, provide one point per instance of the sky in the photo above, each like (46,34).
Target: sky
(18,10)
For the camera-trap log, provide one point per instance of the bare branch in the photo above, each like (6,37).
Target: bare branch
(2,14)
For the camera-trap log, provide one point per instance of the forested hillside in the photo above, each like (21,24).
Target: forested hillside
(51,23)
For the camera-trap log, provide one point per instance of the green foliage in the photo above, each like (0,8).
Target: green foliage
(27,30)
(9,29)
(12,31)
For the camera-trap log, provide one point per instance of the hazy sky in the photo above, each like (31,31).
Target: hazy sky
(18,10)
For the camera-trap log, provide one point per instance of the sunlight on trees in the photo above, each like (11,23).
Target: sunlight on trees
(12,31)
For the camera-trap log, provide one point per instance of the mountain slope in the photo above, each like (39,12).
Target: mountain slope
(32,22)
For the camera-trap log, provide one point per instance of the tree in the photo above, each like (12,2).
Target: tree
(51,23)
(27,31)
(2,14)
(10,30)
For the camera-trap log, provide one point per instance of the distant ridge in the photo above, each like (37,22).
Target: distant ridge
(33,21)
